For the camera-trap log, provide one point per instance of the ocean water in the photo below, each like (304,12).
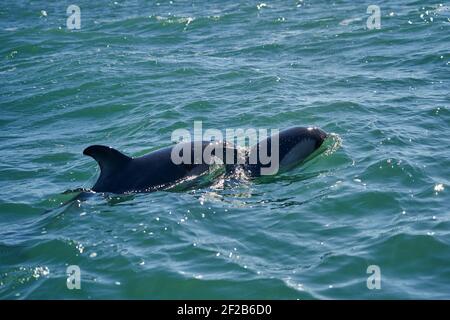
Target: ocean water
(378,194)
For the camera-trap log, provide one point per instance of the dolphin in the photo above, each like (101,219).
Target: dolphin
(120,173)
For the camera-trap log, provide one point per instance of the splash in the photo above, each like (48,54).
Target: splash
(332,144)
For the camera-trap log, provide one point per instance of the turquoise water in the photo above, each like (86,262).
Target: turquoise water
(137,70)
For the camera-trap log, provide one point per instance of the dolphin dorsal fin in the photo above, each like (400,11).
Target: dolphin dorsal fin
(109,159)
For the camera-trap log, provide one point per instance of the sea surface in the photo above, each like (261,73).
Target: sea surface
(377,195)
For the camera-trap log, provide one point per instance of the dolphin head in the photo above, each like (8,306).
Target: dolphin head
(298,143)
(317,134)
(294,136)
(286,149)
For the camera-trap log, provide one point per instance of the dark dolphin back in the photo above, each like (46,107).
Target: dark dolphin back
(156,170)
